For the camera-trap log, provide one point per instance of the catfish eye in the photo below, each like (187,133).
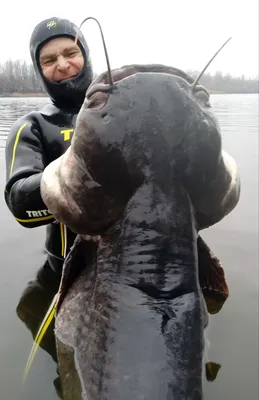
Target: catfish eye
(202,95)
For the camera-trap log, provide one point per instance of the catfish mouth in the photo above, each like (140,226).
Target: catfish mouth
(99,90)
(103,84)
(200,88)
(202,95)
(97,96)
(99,87)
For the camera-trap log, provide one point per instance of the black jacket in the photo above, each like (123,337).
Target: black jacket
(34,141)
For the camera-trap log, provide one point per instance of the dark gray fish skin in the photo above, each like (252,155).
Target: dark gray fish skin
(148,117)
(135,174)
(135,315)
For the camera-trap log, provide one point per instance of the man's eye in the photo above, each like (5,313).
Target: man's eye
(72,53)
(48,62)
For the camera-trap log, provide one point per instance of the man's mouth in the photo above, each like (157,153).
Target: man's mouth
(67,79)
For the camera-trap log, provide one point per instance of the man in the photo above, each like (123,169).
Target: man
(65,71)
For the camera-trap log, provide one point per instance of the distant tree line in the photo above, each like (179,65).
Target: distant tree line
(19,77)
(226,83)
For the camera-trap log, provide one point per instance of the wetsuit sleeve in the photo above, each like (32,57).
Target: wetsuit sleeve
(24,166)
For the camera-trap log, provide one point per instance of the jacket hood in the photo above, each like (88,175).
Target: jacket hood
(68,94)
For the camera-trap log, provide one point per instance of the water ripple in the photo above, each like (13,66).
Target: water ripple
(237,114)
(13,108)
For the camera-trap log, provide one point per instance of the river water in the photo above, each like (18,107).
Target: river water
(233,333)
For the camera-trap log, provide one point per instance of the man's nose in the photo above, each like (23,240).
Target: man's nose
(63,63)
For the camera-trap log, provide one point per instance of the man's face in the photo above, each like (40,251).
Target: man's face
(61,59)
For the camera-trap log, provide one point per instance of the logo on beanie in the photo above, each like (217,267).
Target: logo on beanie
(51,24)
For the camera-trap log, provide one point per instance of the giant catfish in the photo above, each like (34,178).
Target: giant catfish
(145,172)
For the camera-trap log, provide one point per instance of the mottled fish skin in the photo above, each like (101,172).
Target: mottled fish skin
(136,321)
(135,174)
(106,161)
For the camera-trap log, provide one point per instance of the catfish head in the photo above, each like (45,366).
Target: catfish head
(151,125)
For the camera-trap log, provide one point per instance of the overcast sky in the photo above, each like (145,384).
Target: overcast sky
(184,34)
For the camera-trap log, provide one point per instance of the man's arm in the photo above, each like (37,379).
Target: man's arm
(24,167)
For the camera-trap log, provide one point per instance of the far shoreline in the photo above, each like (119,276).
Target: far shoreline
(17,94)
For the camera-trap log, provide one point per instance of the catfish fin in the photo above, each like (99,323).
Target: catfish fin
(83,249)
(211,370)
(212,278)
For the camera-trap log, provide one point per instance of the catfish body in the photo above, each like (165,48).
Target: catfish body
(133,320)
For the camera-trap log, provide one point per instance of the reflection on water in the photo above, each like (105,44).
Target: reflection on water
(33,305)
(233,333)
(13,108)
